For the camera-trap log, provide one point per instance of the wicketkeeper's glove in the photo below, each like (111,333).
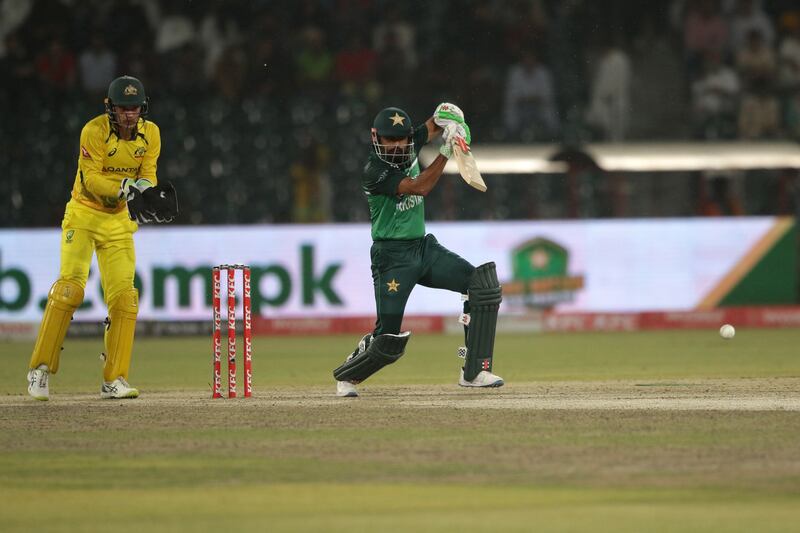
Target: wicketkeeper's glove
(128,184)
(151,204)
(131,190)
(162,202)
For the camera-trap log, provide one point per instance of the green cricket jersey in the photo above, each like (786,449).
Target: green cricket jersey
(394,217)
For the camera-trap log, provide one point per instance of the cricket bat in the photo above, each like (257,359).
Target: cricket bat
(467,166)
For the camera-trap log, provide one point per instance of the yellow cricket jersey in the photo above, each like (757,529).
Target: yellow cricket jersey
(105,159)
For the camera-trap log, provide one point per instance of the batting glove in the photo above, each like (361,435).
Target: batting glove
(447,112)
(446,149)
(458,130)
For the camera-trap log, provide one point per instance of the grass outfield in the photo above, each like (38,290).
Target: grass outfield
(673,431)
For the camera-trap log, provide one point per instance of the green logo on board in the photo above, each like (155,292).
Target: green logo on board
(540,278)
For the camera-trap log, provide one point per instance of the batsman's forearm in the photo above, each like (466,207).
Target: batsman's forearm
(429,177)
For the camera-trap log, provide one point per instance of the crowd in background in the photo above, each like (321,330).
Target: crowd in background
(265,106)
(744,70)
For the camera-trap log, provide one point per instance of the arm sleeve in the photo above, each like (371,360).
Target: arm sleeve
(382,180)
(91,165)
(420,136)
(150,159)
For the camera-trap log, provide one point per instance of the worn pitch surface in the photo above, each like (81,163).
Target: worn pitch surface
(703,440)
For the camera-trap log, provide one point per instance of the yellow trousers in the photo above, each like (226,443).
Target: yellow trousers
(86,231)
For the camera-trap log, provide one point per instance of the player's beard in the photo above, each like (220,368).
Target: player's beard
(398,155)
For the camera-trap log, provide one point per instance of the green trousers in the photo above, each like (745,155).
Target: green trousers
(398,266)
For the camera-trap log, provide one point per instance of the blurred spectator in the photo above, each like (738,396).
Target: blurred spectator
(311,199)
(609,107)
(218,30)
(351,16)
(759,115)
(747,17)
(789,72)
(313,62)
(130,18)
(12,15)
(530,108)
(395,36)
(138,60)
(756,61)
(718,196)
(584,197)
(484,33)
(184,71)
(715,97)
(98,66)
(55,67)
(18,66)
(789,52)
(355,63)
(393,66)
(180,57)
(705,31)
(271,72)
(310,13)
(527,23)
(174,31)
(230,72)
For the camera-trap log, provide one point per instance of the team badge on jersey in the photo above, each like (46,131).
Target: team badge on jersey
(140,152)
(393,285)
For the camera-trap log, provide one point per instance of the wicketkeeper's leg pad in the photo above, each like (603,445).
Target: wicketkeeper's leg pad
(381,351)
(64,298)
(485,295)
(120,329)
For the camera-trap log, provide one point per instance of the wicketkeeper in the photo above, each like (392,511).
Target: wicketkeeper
(115,189)
(404,256)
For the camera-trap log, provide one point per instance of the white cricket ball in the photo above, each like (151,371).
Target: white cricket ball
(727,331)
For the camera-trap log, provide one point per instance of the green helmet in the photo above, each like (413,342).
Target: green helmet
(126,91)
(393,123)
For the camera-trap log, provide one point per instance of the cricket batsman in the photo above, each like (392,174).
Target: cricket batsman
(404,256)
(115,189)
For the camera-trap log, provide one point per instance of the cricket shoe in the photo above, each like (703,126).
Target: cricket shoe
(38,383)
(345,389)
(117,390)
(483,379)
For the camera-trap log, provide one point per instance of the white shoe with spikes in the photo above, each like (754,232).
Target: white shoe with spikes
(483,379)
(345,389)
(117,390)
(39,383)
